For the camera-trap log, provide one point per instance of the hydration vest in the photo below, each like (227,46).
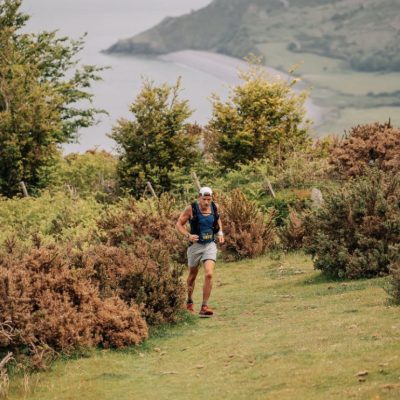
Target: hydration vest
(194,221)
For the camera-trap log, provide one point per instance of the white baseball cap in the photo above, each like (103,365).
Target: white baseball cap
(205,191)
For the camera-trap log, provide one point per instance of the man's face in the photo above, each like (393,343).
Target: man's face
(205,201)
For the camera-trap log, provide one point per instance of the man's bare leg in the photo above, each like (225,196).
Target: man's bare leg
(208,275)
(191,282)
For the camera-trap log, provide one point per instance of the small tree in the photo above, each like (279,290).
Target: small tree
(38,109)
(157,141)
(262,118)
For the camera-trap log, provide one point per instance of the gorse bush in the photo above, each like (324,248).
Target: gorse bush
(291,234)
(248,233)
(393,287)
(49,303)
(350,235)
(301,169)
(142,242)
(60,299)
(133,223)
(372,144)
(149,281)
(89,175)
(57,217)
(291,180)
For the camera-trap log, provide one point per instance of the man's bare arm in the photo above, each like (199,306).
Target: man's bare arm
(181,224)
(220,233)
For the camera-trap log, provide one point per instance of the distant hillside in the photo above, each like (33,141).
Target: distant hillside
(365,33)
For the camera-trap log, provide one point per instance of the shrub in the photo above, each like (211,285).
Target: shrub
(92,174)
(301,169)
(150,270)
(393,288)
(56,216)
(291,180)
(373,144)
(292,232)
(118,324)
(349,236)
(150,280)
(51,305)
(248,233)
(152,221)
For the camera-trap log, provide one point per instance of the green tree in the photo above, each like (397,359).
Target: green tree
(40,87)
(158,141)
(263,117)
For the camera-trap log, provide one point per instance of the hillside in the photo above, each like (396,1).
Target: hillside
(281,332)
(364,33)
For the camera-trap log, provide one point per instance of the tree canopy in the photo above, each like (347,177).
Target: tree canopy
(158,140)
(263,117)
(41,86)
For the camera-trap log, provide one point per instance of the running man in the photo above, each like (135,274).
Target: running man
(205,225)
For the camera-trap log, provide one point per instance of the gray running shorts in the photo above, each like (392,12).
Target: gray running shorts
(198,252)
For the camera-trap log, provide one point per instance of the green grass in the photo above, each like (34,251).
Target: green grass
(346,118)
(281,331)
(278,56)
(356,83)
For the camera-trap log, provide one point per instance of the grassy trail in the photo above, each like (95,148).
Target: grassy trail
(281,332)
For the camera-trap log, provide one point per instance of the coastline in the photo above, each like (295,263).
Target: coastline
(226,68)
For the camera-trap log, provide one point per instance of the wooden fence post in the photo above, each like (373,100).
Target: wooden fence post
(23,187)
(271,189)
(150,187)
(196,181)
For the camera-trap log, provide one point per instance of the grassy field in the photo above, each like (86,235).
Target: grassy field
(342,91)
(281,331)
(349,117)
(277,55)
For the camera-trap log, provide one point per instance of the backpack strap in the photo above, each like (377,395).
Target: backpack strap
(215,210)
(194,221)
(216,217)
(194,211)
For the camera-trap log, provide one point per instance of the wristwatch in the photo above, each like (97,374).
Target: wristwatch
(187,236)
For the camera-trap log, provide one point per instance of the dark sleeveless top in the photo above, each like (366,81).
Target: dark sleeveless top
(206,223)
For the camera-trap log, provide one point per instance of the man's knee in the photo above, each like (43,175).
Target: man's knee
(192,274)
(208,275)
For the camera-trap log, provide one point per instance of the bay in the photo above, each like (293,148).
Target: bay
(105,22)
